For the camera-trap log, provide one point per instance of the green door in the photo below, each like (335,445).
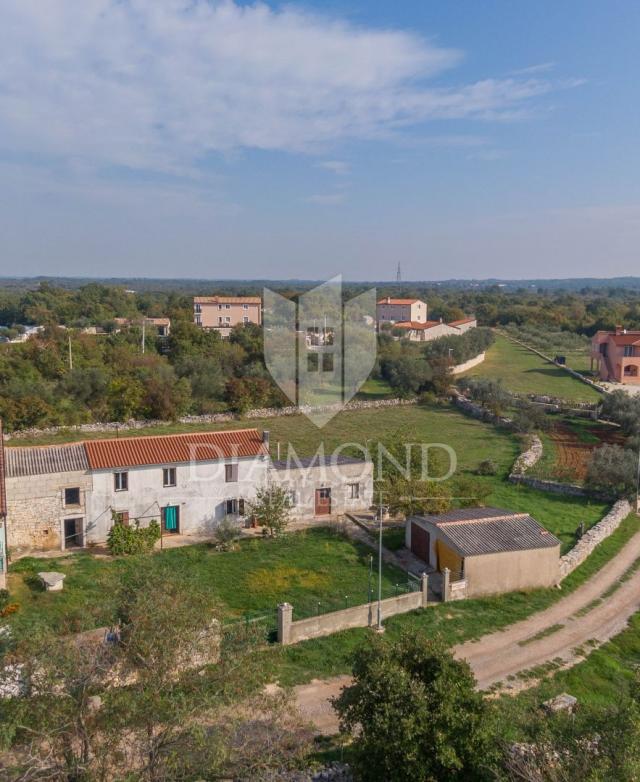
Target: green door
(170,519)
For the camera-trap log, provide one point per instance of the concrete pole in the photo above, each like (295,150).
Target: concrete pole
(380,628)
(285,617)
(446,585)
(424,588)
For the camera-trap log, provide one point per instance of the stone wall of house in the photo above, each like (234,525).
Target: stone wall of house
(36,509)
(593,537)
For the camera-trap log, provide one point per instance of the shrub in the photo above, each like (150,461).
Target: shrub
(125,540)
(487,467)
(4,598)
(226,534)
(612,471)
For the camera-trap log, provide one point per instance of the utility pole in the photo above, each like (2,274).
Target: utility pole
(398,273)
(144,324)
(380,628)
(70,355)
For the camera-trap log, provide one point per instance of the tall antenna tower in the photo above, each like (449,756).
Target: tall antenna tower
(398,274)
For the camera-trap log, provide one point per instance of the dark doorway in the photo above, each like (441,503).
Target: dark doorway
(420,542)
(171,520)
(73,533)
(323,502)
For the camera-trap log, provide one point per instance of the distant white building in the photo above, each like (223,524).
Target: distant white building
(390,310)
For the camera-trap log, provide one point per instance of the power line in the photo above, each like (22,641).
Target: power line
(398,274)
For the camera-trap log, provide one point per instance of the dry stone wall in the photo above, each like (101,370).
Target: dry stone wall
(587,543)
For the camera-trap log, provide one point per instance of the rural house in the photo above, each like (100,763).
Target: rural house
(222,313)
(615,355)
(434,329)
(490,549)
(389,310)
(67,496)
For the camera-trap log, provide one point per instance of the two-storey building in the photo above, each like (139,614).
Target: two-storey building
(389,310)
(222,313)
(615,355)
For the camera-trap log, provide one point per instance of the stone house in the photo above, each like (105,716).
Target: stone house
(66,496)
(434,329)
(389,310)
(491,550)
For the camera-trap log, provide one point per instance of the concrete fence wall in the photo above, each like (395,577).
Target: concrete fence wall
(290,632)
(458,369)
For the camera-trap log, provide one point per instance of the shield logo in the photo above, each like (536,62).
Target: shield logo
(320,350)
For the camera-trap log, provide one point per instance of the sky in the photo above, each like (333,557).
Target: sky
(196,138)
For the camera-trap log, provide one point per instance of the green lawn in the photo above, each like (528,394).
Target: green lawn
(375,389)
(524,372)
(315,570)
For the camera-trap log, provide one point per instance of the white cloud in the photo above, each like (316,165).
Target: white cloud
(159,84)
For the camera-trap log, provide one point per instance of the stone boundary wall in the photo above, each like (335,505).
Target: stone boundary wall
(593,537)
(477,411)
(290,632)
(220,418)
(458,369)
(213,418)
(528,458)
(554,487)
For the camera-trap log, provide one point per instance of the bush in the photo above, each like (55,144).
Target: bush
(125,540)
(226,534)
(4,598)
(612,471)
(487,467)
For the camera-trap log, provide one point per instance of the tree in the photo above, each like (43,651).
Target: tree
(272,508)
(530,418)
(613,471)
(412,496)
(415,714)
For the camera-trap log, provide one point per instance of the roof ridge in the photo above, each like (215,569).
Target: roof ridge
(484,519)
(173,434)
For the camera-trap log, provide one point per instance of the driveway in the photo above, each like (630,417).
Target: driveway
(564,632)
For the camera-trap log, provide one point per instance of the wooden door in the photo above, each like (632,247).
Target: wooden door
(72,533)
(420,542)
(323,502)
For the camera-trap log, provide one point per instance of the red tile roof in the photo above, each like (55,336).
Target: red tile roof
(173,449)
(3,494)
(227,300)
(414,324)
(461,322)
(397,301)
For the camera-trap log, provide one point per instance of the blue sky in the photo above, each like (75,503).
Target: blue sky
(220,139)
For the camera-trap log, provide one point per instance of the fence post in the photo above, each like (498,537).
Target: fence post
(446,585)
(424,588)
(285,616)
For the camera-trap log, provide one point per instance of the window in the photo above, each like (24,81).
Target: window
(198,320)
(235,506)
(72,496)
(353,491)
(168,476)
(198,308)
(230,473)
(227,306)
(327,362)
(628,351)
(220,319)
(245,306)
(293,498)
(245,319)
(312,362)
(227,319)
(219,306)
(121,481)
(121,517)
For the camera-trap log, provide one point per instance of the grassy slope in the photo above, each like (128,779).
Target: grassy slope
(303,568)
(523,372)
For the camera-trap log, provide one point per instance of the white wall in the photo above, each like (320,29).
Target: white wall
(200,493)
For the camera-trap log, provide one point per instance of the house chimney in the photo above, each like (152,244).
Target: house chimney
(265,438)
(618,331)
(388,299)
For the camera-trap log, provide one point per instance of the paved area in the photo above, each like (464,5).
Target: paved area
(576,622)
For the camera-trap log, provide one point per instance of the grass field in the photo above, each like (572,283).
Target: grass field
(524,372)
(315,570)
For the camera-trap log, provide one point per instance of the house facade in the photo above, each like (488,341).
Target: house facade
(615,356)
(222,313)
(433,329)
(70,496)
(491,550)
(390,310)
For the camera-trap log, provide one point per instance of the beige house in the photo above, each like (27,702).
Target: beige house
(489,549)
(425,332)
(389,310)
(464,325)
(222,313)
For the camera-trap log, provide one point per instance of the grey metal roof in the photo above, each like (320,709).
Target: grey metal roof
(41,460)
(473,531)
(315,461)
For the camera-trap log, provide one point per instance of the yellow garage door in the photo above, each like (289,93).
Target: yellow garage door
(447,557)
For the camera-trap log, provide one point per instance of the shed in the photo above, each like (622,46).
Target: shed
(493,550)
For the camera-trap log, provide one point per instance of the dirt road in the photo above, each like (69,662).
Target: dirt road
(575,623)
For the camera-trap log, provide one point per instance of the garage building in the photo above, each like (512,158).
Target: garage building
(492,550)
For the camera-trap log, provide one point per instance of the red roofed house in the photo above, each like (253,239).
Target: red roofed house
(434,329)
(389,310)
(68,496)
(615,355)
